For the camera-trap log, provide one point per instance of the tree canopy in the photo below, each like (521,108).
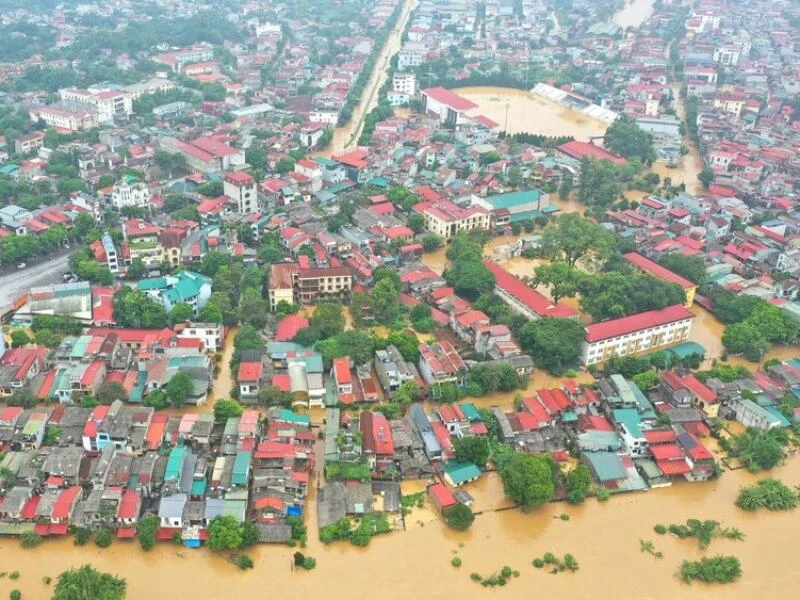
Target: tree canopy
(473,448)
(86,582)
(179,389)
(459,516)
(528,479)
(692,268)
(134,308)
(625,138)
(561,277)
(553,344)
(612,295)
(571,237)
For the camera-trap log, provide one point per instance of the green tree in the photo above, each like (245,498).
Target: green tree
(358,345)
(110,391)
(416,222)
(562,279)
(225,533)
(553,344)
(224,409)
(706,177)
(156,399)
(745,338)
(329,320)
(103,537)
(179,389)
(572,237)
(19,338)
(459,516)
(253,309)
(134,308)
(136,270)
(470,278)
(385,301)
(86,583)
(146,531)
(210,313)
(578,483)
(24,397)
(625,138)
(528,480)
(692,268)
(273,396)
(474,449)
(431,243)
(759,449)
(181,312)
(567,183)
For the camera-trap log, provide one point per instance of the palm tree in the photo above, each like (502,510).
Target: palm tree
(647,546)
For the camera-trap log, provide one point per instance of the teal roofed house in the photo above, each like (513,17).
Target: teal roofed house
(186,286)
(457,474)
(287,416)
(175,464)
(514,207)
(241,469)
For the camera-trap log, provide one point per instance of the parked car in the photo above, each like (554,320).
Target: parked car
(21,265)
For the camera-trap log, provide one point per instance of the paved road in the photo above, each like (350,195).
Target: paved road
(19,281)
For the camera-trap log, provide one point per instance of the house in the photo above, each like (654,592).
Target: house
(750,414)
(636,333)
(441,496)
(249,379)
(451,108)
(515,207)
(242,189)
(656,270)
(377,441)
(447,220)
(393,370)
(300,283)
(524,300)
(684,389)
(343,377)
(580,150)
(185,286)
(441,363)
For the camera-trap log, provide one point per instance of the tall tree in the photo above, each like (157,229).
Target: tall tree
(560,277)
(528,479)
(571,237)
(87,583)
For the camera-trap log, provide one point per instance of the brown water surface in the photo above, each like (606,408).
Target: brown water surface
(634,13)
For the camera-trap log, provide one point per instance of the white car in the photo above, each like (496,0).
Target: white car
(21,265)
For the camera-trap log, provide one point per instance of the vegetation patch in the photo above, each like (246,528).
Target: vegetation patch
(703,531)
(771,494)
(718,569)
(568,563)
(495,579)
(243,561)
(650,548)
(757,449)
(304,562)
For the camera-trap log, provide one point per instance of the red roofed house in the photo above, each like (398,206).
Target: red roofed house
(684,390)
(289,327)
(636,333)
(451,108)
(377,440)
(64,507)
(440,363)
(340,371)
(580,150)
(441,496)
(129,507)
(659,272)
(249,379)
(524,300)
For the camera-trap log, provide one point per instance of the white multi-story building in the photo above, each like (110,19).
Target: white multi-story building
(130,193)
(412,54)
(62,118)
(329,117)
(242,188)
(404,83)
(446,219)
(636,333)
(210,333)
(107,104)
(112,259)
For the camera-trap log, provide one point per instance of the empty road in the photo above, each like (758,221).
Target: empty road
(15,282)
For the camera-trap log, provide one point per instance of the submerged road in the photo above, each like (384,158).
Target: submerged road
(15,282)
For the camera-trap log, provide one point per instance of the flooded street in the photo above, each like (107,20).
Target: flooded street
(603,537)
(347,136)
(634,13)
(531,113)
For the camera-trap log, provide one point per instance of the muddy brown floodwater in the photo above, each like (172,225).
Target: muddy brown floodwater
(634,13)
(604,538)
(531,113)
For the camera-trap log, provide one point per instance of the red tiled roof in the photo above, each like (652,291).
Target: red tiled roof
(651,318)
(444,497)
(249,371)
(341,369)
(673,467)
(659,436)
(289,327)
(657,271)
(448,98)
(579,150)
(282,381)
(128,505)
(666,452)
(530,298)
(535,407)
(65,502)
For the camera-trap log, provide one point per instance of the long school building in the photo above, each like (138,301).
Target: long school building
(636,333)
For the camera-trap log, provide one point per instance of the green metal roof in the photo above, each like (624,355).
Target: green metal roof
(199,487)
(686,349)
(175,463)
(241,468)
(629,417)
(513,199)
(471,412)
(607,465)
(153,283)
(288,416)
(462,472)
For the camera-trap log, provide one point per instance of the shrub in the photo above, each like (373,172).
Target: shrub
(13,575)
(30,540)
(603,495)
(459,516)
(309,563)
(15,595)
(549,558)
(538,563)
(660,529)
(771,494)
(47,580)
(243,561)
(564,517)
(475,576)
(103,538)
(81,536)
(719,569)
(456,562)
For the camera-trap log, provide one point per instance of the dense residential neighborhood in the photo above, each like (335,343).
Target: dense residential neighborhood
(320,274)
